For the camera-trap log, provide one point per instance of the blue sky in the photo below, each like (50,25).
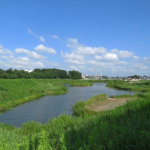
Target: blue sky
(111,37)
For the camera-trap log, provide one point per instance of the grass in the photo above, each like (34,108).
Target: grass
(99,97)
(126,127)
(123,96)
(142,86)
(17,91)
(14,92)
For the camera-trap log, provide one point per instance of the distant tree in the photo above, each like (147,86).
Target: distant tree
(39,74)
(75,74)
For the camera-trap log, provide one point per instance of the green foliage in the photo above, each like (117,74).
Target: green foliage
(122,96)
(123,85)
(99,97)
(79,109)
(17,91)
(125,127)
(75,74)
(39,74)
(80,83)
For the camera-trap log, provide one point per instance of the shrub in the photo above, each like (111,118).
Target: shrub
(79,109)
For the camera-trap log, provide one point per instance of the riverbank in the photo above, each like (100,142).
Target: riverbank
(124,127)
(108,104)
(141,86)
(14,92)
(101,102)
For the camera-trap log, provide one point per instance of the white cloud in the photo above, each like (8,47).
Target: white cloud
(121,62)
(107,57)
(75,61)
(30,31)
(7,57)
(73,67)
(101,64)
(139,66)
(50,64)
(41,38)
(136,57)
(72,43)
(42,48)
(55,37)
(80,52)
(98,59)
(122,54)
(82,67)
(114,51)
(29,53)
(89,50)
(146,59)
(24,63)
(72,56)
(24,58)
(84,50)
(5,51)
(1,62)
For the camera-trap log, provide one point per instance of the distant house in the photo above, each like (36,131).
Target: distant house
(83,77)
(135,80)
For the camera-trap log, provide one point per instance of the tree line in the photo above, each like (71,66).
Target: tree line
(40,74)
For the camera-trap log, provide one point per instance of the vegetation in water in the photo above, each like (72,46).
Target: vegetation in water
(17,91)
(80,110)
(122,96)
(125,127)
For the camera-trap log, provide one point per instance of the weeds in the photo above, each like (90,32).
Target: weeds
(126,127)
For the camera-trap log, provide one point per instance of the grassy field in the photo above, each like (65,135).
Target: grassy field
(17,91)
(141,86)
(126,127)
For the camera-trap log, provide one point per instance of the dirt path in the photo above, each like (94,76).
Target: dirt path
(110,103)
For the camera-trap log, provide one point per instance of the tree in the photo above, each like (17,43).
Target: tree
(75,74)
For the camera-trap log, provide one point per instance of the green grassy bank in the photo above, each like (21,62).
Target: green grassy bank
(17,91)
(125,127)
(141,86)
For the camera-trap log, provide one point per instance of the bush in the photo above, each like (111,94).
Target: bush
(99,97)
(122,96)
(79,109)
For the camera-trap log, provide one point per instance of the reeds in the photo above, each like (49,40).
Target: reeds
(126,127)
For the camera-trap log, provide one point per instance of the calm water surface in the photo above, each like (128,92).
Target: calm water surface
(47,107)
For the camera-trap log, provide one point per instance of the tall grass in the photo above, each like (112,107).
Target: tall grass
(123,85)
(125,127)
(17,91)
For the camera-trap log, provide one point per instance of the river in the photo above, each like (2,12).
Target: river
(48,107)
